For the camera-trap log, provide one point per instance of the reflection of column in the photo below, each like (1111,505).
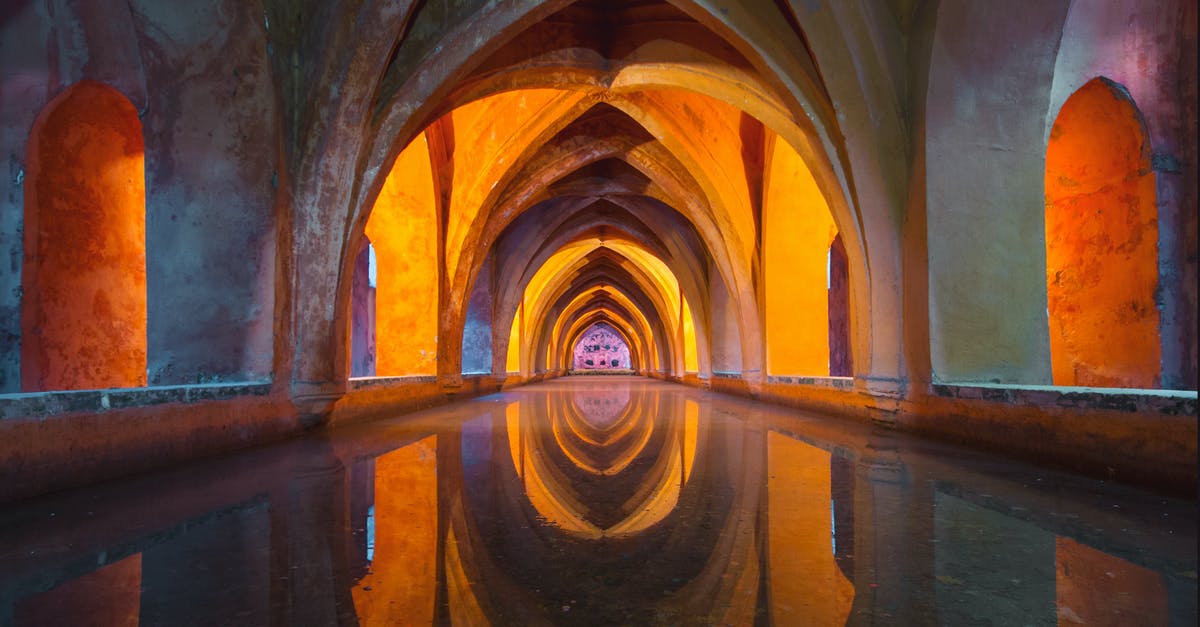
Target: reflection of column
(891,515)
(987,564)
(400,586)
(308,526)
(841,497)
(218,569)
(109,595)
(806,583)
(360,540)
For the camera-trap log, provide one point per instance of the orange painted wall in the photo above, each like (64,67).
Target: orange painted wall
(1095,588)
(512,361)
(1101,244)
(807,586)
(83,309)
(488,136)
(691,361)
(403,230)
(797,230)
(109,596)
(402,582)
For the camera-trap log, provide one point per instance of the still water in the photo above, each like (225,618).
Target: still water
(602,501)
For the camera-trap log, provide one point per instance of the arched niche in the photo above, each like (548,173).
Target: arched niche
(603,346)
(83,306)
(1101,243)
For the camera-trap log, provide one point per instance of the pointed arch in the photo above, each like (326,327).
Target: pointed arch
(1102,242)
(83,306)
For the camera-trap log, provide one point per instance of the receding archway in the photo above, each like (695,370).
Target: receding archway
(1101,243)
(83,305)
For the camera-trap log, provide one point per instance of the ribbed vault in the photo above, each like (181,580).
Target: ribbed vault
(605,161)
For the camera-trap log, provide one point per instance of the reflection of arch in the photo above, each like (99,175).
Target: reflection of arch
(83,309)
(637,78)
(1101,243)
(550,463)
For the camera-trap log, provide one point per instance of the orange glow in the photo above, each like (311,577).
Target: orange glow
(489,134)
(797,230)
(512,424)
(552,494)
(403,230)
(651,274)
(691,425)
(1101,243)
(512,361)
(1095,588)
(633,435)
(83,323)
(403,575)
(806,583)
(464,605)
(108,596)
(691,362)
(706,135)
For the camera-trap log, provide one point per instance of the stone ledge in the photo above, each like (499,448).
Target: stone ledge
(839,383)
(366,383)
(46,404)
(1169,402)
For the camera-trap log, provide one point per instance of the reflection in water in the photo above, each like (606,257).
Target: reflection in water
(1096,588)
(109,595)
(399,585)
(611,501)
(807,583)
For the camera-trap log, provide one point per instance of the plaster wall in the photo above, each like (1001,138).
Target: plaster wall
(989,90)
(841,359)
(726,340)
(211,130)
(362,315)
(477,328)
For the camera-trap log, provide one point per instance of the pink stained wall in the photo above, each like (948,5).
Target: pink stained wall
(601,345)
